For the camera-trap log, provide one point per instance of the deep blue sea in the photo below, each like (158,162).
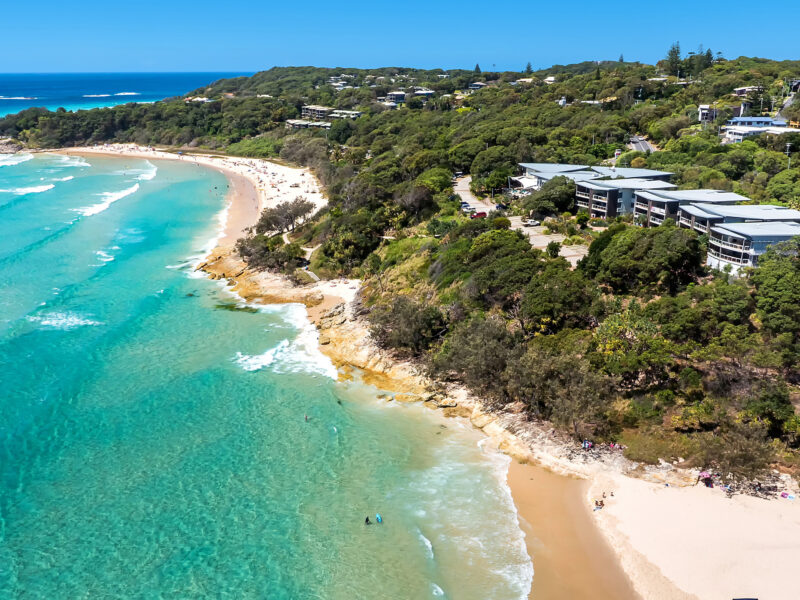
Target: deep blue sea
(153,440)
(75,91)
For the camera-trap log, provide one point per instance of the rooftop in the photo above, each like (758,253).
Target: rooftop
(627,184)
(628,172)
(694,196)
(755,212)
(762,230)
(553,167)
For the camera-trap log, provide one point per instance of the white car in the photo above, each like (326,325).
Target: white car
(531,223)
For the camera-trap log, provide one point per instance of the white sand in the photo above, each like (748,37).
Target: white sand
(707,545)
(274,183)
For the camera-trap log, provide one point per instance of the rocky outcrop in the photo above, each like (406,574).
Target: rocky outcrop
(9,146)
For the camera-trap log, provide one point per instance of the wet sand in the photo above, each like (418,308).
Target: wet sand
(571,558)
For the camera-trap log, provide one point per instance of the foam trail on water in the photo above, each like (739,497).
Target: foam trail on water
(96,95)
(9,160)
(67,178)
(36,189)
(301,355)
(72,161)
(127,94)
(108,199)
(62,320)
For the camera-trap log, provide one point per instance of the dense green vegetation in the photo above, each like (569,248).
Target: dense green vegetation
(639,344)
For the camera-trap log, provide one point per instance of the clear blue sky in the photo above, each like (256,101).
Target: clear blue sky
(245,35)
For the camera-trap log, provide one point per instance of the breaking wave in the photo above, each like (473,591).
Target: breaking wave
(9,160)
(108,199)
(36,189)
(301,355)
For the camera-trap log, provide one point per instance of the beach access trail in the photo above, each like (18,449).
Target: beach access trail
(658,537)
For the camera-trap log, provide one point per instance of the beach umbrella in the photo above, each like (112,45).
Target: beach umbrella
(704,474)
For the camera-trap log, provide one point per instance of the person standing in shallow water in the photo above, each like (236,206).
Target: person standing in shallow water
(367,521)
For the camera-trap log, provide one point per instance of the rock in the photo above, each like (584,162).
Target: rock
(324,339)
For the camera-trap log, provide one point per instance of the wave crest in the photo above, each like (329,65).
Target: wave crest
(108,199)
(9,160)
(36,189)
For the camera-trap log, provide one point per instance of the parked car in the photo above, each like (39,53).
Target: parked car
(478,215)
(531,223)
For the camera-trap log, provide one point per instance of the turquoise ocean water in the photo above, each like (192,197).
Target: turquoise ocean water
(152,433)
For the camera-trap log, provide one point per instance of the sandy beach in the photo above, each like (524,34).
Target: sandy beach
(658,536)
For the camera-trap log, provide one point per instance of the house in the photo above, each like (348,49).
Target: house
(315,112)
(651,207)
(756,122)
(737,245)
(734,134)
(345,114)
(702,216)
(397,97)
(741,92)
(535,175)
(304,124)
(609,198)
(478,85)
(706,114)
(424,92)
(523,81)
(549,80)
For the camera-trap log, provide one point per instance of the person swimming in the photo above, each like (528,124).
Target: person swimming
(367,521)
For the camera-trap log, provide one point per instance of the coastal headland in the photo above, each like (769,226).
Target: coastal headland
(659,535)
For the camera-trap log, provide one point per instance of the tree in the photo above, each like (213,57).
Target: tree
(553,249)
(674,59)
(777,293)
(477,69)
(406,326)
(528,68)
(621,58)
(555,196)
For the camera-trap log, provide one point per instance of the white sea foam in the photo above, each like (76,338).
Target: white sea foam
(127,94)
(104,256)
(437,591)
(62,320)
(36,189)
(145,174)
(427,543)
(96,95)
(67,178)
(259,361)
(9,160)
(300,355)
(108,199)
(72,161)
(18,98)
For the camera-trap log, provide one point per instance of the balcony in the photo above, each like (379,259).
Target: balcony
(582,204)
(641,206)
(736,260)
(741,246)
(686,222)
(656,210)
(656,220)
(581,194)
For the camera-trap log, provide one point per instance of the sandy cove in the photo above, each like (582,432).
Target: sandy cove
(658,537)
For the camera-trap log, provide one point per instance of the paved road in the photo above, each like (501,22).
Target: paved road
(789,101)
(462,189)
(641,144)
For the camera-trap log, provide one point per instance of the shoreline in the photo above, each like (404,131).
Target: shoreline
(645,543)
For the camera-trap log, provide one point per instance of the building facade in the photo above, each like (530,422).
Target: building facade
(737,245)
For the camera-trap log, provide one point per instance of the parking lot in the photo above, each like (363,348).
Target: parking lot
(540,240)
